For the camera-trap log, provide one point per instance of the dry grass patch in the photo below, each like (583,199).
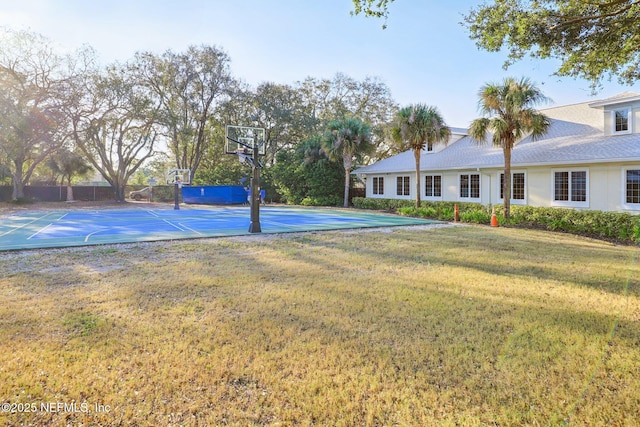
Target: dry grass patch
(450,326)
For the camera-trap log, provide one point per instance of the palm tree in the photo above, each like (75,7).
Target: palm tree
(348,139)
(68,164)
(418,127)
(510,116)
(312,150)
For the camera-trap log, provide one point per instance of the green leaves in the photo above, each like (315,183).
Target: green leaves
(418,125)
(348,137)
(509,114)
(372,8)
(593,40)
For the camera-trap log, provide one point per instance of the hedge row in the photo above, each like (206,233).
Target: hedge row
(622,227)
(604,225)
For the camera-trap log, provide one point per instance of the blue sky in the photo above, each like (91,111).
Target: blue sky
(424,55)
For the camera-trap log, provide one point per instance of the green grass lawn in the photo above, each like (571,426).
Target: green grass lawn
(464,326)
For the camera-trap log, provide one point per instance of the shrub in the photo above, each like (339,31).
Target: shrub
(422,212)
(604,225)
(381,204)
(331,200)
(477,217)
(621,227)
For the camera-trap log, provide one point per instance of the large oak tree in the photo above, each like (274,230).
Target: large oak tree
(593,40)
(115,125)
(34,88)
(189,86)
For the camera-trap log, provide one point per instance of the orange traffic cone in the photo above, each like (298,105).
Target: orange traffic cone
(494,218)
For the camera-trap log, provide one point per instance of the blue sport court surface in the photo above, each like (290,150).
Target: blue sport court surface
(50,229)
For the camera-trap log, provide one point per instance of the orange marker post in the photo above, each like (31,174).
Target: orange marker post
(494,218)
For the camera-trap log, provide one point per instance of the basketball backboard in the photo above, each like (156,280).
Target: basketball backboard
(179,176)
(240,140)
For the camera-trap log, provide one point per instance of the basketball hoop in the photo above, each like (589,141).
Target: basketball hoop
(248,143)
(178,176)
(243,138)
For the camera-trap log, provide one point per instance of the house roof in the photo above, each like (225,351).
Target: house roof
(575,136)
(617,99)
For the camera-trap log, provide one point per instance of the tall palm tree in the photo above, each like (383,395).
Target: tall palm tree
(348,139)
(510,116)
(417,127)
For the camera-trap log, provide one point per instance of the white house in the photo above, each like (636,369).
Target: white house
(589,159)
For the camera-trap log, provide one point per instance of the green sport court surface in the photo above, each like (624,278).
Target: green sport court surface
(63,228)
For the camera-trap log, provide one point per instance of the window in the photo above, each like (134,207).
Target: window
(621,120)
(517,186)
(561,183)
(378,185)
(579,186)
(433,186)
(570,187)
(470,186)
(402,186)
(632,193)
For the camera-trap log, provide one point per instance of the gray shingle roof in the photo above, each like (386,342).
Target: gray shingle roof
(576,136)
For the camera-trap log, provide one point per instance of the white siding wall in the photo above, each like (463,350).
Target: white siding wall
(539,187)
(606,186)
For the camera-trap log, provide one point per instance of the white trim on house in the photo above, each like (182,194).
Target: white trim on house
(626,111)
(406,186)
(498,177)
(433,176)
(626,205)
(572,191)
(378,190)
(580,138)
(470,191)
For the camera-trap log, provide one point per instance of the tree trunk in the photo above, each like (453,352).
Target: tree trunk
(69,188)
(18,183)
(347,184)
(417,154)
(118,192)
(506,187)
(347,162)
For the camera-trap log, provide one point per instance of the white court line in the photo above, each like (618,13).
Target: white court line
(24,225)
(173,225)
(153,213)
(190,229)
(39,231)
(86,239)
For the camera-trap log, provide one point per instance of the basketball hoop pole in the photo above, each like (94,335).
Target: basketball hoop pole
(176,198)
(255,193)
(176,204)
(248,144)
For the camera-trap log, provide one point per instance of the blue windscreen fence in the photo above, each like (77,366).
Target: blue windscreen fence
(214,194)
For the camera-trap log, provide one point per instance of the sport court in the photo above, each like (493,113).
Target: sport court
(51,229)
